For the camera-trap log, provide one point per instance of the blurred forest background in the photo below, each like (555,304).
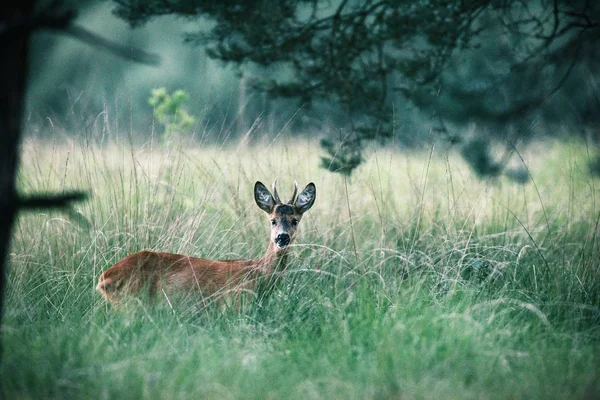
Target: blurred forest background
(482,76)
(75,87)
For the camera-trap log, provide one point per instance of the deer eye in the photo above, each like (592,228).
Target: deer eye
(273,222)
(294,222)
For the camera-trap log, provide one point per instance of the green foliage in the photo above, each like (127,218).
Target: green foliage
(490,62)
(477,154)
(595,166)
(169,111)
(344,154)
(457,289)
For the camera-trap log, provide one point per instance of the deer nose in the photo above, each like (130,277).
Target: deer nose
(282,240)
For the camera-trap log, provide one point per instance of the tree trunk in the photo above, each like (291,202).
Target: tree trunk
(14,37)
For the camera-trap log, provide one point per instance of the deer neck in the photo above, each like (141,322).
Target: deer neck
(275,259)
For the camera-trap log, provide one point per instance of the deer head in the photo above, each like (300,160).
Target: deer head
(284,217)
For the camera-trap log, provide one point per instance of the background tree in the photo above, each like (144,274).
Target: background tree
(500,63)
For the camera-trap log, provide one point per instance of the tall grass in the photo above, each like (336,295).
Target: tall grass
(411,279)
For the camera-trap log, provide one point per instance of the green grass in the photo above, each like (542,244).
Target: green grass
(413,279)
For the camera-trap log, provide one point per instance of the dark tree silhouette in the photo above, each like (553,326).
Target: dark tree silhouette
(14,35)
(490,61)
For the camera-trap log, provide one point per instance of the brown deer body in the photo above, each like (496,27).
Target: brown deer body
(168,273)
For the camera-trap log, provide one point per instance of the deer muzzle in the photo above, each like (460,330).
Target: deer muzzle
(282,240)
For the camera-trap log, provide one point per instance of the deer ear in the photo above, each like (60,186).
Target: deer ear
(306,198)
(264,199)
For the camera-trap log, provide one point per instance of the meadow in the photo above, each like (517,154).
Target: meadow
(410,279)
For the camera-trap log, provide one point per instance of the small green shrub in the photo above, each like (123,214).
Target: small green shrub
(168,111)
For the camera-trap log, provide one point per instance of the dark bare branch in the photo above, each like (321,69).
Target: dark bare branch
(50,200)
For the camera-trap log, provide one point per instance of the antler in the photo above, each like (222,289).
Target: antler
(294,194)
(275,195)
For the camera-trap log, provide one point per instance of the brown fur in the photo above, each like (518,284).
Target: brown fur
(175,273)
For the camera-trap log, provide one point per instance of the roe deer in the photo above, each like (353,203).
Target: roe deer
(176,273)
